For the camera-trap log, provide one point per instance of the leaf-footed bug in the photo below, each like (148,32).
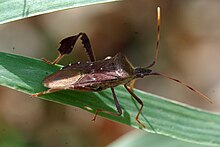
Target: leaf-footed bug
(102,74)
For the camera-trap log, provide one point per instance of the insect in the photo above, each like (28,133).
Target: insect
(102,74)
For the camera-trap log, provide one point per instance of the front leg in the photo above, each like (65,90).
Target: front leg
(140,102)
(131,86)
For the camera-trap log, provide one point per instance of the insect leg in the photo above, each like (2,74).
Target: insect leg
(45,92)
(139,101)
(68,44)
(131,86)
(116,102)
(117,106)
(55,61)
(87,45)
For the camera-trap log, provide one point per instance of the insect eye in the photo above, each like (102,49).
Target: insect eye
(141,75)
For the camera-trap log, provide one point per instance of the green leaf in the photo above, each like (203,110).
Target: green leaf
(143,139)
(161,116)
(11,10)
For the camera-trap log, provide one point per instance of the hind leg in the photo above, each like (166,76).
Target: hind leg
(68,44)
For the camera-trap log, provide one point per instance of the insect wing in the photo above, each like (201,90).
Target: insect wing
(62,79)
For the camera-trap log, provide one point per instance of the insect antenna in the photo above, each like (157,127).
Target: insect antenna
(184,84)
(157,47)
(158,38)
(168,77)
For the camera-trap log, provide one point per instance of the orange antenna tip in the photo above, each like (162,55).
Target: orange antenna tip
(158,13)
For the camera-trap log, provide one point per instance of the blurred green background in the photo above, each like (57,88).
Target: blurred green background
(190,33)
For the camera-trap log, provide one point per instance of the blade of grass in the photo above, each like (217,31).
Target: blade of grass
(162,116)
(141,139)
(11,10)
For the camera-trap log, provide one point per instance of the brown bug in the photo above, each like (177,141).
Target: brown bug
(98,75)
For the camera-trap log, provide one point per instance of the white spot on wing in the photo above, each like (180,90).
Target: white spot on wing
(108,57)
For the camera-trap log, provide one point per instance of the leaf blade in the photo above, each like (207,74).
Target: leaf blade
(11,10)
(137,138)
(164,116)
